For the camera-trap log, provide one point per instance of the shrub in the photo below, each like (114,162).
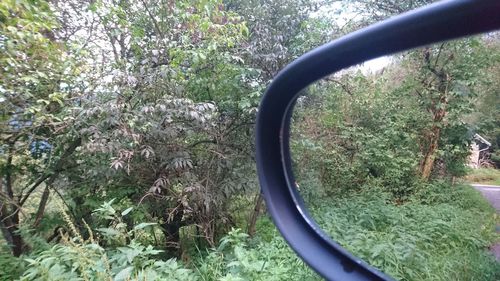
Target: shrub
(11,267)
(441,233)
(460,195)
(237,259)
(77,258)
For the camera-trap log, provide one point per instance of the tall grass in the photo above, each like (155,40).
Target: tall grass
(442,234)
(484,176)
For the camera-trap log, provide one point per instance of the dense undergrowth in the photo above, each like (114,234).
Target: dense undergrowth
(440,234)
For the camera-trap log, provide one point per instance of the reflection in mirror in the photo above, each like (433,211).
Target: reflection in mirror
(380,152)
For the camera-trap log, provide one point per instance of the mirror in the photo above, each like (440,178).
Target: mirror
(380,151)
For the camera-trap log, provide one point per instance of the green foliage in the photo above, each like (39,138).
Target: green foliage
(483,176)
(442,233)
(12,267)
(350,140)
(123,258)
(38,89)
(280,30)
(395,128)
(170,126)
(36,85)
(153,103)
(237,258)
(91,262)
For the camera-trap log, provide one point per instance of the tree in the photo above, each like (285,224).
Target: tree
(37,95)
(447,75)
(485,119)
(164,116)
(444,79)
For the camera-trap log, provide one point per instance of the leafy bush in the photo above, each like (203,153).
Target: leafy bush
(123,258)
(11,267)
(238,258)
(462,196)
(441,234)
(91,262)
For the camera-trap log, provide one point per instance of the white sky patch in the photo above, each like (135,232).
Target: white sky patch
(343,14)
(338,12)
(375,65)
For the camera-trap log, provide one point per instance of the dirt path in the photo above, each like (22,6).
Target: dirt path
(492,194)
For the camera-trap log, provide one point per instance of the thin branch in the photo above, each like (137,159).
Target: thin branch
(12,202)
(8,171)
(344,86)
(439,54)
(63,200)
(39,181)
(41,206)
(55,172)
(157,27)
(212,141)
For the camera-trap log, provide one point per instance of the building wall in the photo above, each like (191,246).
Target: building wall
(474,156)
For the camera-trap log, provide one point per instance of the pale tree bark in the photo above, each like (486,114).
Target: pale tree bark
(41,206)
(430,156)
(255,214)
(438,109)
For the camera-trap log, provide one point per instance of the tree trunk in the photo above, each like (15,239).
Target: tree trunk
(41,206)
(255,214)
(5,232)
(9,224)
(18,242)
(10,208)
(430,155)
(171,230)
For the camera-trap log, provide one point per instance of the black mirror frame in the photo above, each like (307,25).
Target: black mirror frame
(437,22)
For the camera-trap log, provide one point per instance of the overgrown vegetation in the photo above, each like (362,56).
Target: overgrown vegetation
(125,256)
(433,237)
(126,148)
(484,176)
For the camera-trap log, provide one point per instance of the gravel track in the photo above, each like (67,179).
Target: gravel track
(492,194)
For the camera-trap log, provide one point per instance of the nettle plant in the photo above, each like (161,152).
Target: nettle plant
(123,257)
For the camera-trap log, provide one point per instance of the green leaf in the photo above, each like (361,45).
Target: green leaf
(124,213)
(143,225)
(109,231)
(124,274)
